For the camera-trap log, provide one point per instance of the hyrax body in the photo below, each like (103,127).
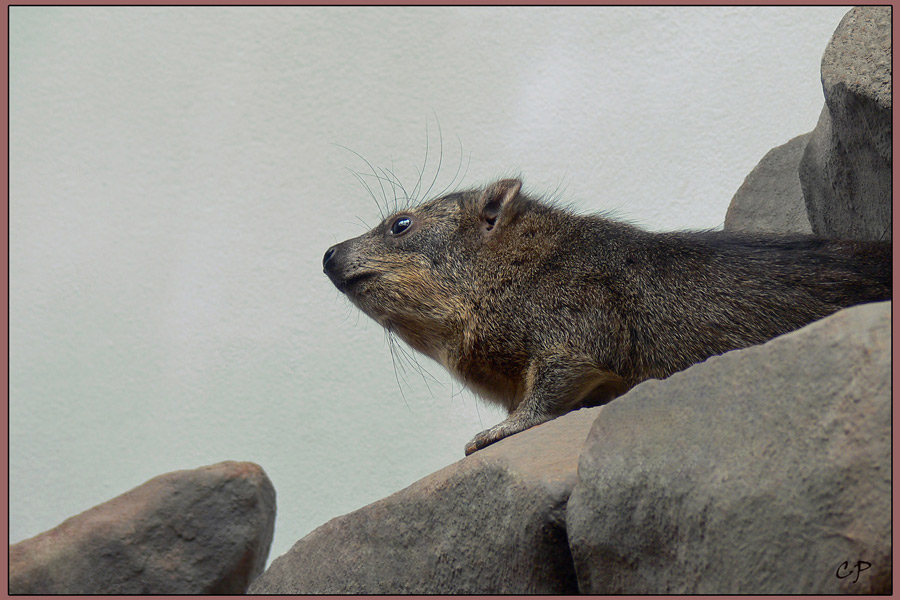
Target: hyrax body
(544,311)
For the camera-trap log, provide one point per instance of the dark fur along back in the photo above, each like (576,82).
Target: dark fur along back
(682,297)
(544,311)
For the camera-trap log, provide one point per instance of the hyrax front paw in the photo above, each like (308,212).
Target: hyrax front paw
(485,438)
(498,432)
(516,422)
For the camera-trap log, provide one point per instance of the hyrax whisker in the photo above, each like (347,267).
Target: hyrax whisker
(415,366)
(399,184)
(392,184)
(360,178)
(391,343)
(418,368)
(415,192)
(478,414)
(374,172)
(437,171)
(421,172)
(449,186)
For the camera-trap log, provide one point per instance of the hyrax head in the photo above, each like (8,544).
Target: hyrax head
(417,273)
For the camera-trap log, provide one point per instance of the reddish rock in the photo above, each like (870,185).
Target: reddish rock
(492,523)
(199,531)
(761,471)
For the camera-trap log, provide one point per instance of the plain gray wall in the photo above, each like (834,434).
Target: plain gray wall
(176,176)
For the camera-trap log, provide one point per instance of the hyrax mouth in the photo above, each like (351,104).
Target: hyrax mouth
(334,265)
(351,284)
(344,284)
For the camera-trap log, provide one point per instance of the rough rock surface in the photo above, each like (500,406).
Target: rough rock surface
(771,199)
(200,531)
(492,523)
(845,171)
(764,470)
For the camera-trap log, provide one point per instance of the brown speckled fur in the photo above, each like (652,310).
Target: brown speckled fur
(543,311)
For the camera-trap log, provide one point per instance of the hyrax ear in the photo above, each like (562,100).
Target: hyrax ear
(497,201)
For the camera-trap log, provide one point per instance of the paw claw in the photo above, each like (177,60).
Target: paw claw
(484,439)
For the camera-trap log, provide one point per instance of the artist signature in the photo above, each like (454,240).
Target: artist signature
(845,569)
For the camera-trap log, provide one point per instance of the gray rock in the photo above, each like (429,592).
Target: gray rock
(771,199)
(764,470)
(201,531)
(845,171)
(492,523)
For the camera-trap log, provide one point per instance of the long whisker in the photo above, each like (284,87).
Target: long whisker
(368,189)
(417,366)
(478,412)
(418,185)
(458,168)
(391,342)
(437,171)
(389,179)
(372,168)
(406,196)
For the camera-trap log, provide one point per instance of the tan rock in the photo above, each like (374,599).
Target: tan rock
(200,531)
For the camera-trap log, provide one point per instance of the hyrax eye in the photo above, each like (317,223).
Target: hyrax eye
(400,225)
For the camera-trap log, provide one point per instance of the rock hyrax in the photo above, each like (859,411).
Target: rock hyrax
(543,311)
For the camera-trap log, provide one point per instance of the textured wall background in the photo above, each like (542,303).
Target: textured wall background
(175,180)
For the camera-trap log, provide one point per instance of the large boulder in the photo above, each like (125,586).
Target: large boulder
(203,531)
(845,171)
(771,199)
(492,523)
(764,470)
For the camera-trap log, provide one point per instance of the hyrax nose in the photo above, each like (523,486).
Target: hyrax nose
(329,254)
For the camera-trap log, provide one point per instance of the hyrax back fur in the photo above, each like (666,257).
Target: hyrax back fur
(544,311)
